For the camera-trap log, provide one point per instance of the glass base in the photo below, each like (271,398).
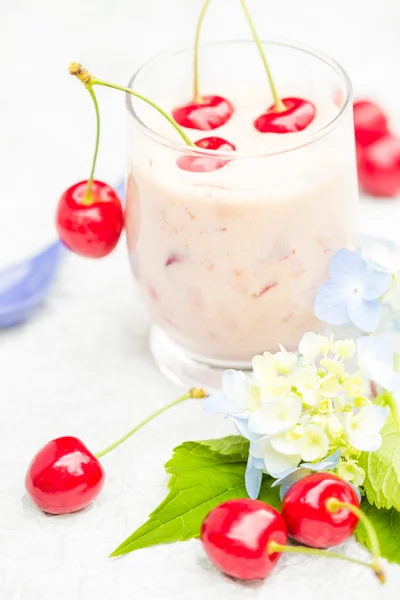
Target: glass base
(186,369)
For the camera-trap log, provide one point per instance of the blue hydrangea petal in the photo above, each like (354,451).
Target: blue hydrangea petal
(331,304)
(346,266)
(330,462)
(379,345)
(365,314)
(253,479)
(291,479)
(218,403)
(242,427)
(281,479)
(376,284)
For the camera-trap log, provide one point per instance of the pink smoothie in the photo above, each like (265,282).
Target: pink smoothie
(230,261)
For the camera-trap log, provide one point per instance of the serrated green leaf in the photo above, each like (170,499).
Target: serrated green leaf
(203,474)
(382,470)
(387,527)
(229,445)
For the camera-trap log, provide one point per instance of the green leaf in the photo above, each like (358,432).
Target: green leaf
(382,470)
(387,527)
(203,474)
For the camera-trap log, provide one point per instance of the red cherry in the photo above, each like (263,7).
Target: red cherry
(379,167)
(64,476)
(94,229)
(370,122)
(211,112)
(202,164)
(235,536)
(299,114)
(307,517)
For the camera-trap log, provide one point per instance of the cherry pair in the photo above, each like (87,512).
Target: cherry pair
(378,151)
(245,538)
(65,476)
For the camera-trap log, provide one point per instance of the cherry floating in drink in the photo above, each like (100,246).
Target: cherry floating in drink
(203,112)
(296,116)
(201,164)
(286,115)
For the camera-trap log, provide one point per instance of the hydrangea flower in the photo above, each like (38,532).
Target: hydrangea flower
(376,359)
(306,412)
(382,255)
(352,293)
(363,427)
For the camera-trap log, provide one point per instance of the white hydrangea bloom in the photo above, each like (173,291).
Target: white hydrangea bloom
(276,463)
(300,412)
(313,444)
(276,416)
(363,429)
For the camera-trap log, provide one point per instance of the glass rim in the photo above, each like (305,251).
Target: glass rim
(183,148)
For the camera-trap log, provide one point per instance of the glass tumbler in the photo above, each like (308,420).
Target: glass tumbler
(229,261)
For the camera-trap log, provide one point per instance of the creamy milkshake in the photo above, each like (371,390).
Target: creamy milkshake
(229,261)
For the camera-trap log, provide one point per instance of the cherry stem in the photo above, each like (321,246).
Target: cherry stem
(88,196)
(193,393)
(274,547)
(333,505)
(88,80)
(279,106)
(197,97)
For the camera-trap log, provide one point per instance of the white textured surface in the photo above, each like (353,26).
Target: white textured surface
(82,366)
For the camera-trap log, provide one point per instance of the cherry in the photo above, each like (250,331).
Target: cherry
(307,517)
(201,164)
(379,167)
(236,534)
(206,113)
(203,112)
(370,122)
(286,115)
(245,538)
(322,510)
(90,227)
(297,116)
(64,476)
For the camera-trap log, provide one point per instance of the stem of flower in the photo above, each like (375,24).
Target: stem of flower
(88,196)
(88,80)
(197,97)
(193,393)
(274,547)
(333,505)
(279,106)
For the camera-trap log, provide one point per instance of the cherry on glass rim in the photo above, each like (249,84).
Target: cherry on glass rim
(202,164)
(370,122)
(235,536)
(64,476)
(91,227)
(379,167)
(298,115)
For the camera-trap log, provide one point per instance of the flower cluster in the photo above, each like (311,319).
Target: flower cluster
(308,410)
(364,288)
